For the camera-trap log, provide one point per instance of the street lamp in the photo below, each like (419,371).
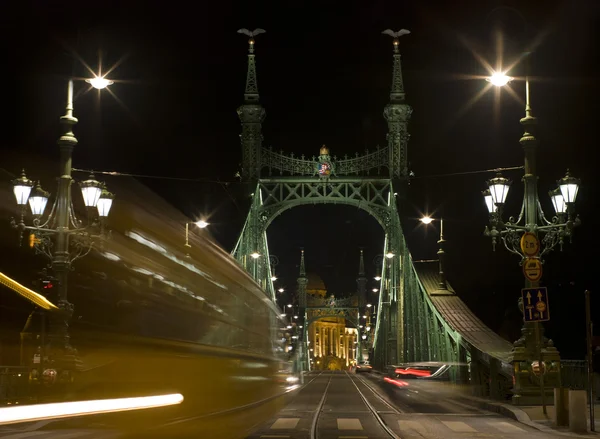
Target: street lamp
(521,237)
(532,218)
(443,285)
(61,236)
(99,82)
(201,224)
(499,79)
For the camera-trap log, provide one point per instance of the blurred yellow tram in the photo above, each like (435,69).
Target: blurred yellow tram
(154,317)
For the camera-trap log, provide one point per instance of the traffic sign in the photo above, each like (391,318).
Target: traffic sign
(538,368)
(530,244)
(532,269)
(535,304)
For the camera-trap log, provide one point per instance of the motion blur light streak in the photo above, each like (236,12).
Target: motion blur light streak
(39,412)
(30,295)
(139,238)
(398,383)
(111,256)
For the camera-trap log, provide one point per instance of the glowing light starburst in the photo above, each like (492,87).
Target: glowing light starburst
(499,79)
(99,82)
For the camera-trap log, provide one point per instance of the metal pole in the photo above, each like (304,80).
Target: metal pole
(61,264)
(538,334)
(590,371)
(529,143)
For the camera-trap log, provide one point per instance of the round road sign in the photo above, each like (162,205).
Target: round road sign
(530,244)
(532,269)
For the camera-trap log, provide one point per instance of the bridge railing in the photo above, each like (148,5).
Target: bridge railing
(573,374)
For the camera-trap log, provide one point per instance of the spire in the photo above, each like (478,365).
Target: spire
(251,114)
(397,113)
(251,94)
(361,281)
(361,264)
(397,91)
(302,266)
(302,282)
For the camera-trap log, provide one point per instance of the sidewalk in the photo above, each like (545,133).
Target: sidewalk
(534,417)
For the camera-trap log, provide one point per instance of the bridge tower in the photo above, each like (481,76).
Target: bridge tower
(397,113)
(416,321)
(371,181)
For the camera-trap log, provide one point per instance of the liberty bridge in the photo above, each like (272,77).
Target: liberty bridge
(420,318)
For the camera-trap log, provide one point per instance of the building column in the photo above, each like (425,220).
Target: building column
(320,336)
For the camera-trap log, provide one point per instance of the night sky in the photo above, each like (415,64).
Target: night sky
(324,72)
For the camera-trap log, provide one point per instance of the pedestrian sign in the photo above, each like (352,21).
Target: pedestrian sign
(535,304)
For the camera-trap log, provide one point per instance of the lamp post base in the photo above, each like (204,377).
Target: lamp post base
(524,357)
(63,359)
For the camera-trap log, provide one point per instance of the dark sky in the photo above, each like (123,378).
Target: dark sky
(324,72)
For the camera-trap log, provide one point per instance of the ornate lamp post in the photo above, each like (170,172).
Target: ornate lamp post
(521,236)
(443,285)
(201,224)
(61,236)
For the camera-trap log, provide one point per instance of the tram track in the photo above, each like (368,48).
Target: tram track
(314,430)
(364,382)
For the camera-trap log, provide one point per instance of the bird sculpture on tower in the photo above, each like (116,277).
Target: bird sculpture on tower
(393,34)
(253,33)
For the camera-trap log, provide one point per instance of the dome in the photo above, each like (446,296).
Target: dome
(315,286)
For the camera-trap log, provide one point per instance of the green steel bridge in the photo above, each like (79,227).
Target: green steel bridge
(420,316)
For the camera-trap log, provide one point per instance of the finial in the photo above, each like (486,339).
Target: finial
(395,36)
(251,34)
(68,120)
(324,150)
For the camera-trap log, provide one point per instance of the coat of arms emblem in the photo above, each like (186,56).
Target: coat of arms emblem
(324,166)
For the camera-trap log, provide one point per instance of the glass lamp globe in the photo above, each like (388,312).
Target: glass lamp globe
(558,201)
(38,200)
(22,188)
(569,187)
(91,189)
(489,202)
(499,188)
(104,203)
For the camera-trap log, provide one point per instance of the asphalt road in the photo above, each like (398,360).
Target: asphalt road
(420,409)
(347,406)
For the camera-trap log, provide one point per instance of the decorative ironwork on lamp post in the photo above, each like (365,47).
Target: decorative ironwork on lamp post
(61,236)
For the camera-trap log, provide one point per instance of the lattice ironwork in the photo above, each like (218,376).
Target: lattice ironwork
(332,302)
(350,314)
(369,194)
(282,164)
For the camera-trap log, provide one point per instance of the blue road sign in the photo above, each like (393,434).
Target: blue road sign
(535,304)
